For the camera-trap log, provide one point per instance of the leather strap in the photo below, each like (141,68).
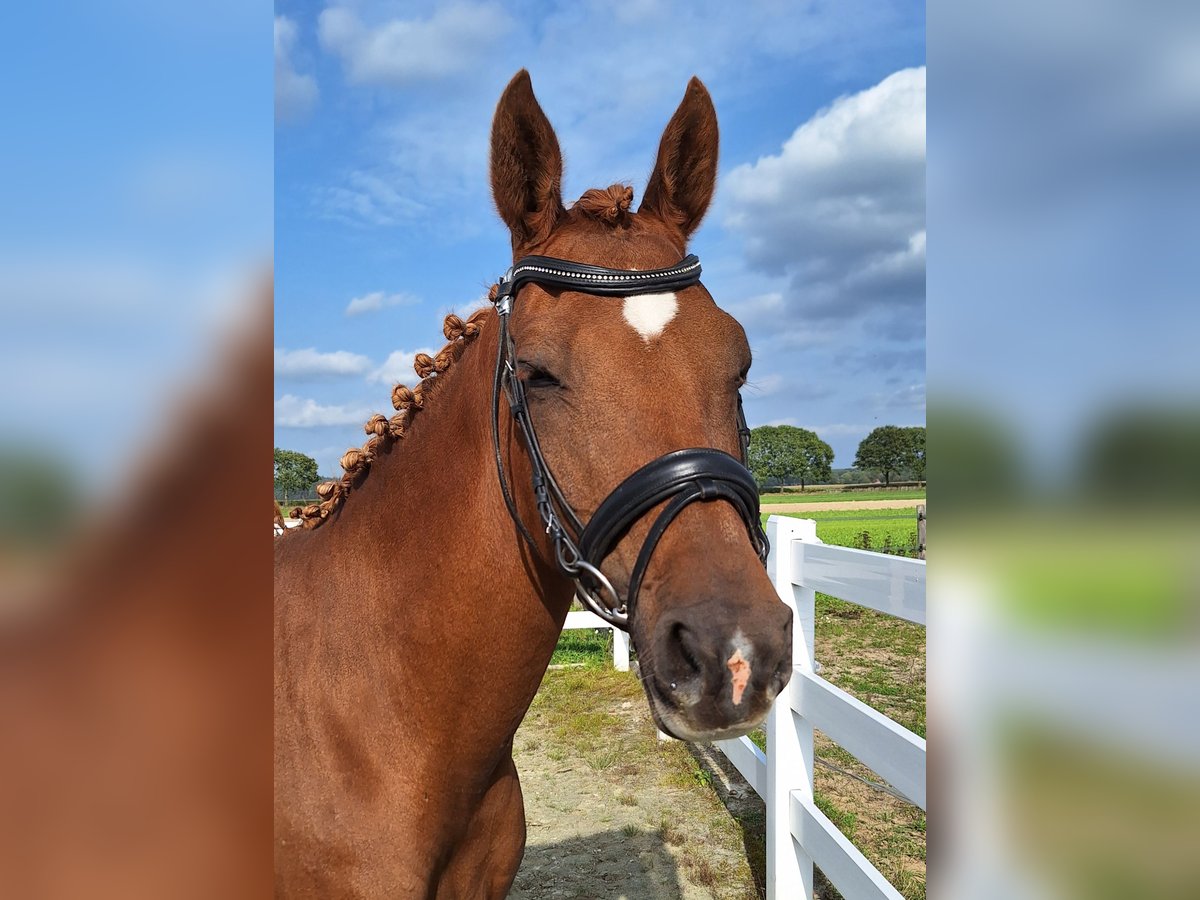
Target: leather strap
(657,481)
(597,279)
(687,476)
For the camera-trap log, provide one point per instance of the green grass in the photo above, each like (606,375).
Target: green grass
(583,647)
(1102,572)
(845,821)
(887,530)
(826,496)
(878,659)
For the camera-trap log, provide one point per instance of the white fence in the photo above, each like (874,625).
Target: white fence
(799,835)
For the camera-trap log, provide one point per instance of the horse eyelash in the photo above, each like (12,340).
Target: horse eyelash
(536,376)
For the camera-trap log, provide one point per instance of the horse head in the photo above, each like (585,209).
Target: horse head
(632,400)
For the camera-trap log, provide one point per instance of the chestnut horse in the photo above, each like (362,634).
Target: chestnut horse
(414,625)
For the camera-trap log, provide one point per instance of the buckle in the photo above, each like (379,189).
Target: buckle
(504,297)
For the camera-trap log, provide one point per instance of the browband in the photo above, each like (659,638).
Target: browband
(546,270)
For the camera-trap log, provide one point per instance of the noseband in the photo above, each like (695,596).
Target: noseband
(679,478)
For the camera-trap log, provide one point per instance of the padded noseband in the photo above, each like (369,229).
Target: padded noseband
(684,477)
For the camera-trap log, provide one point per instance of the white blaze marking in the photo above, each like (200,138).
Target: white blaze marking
(649,314)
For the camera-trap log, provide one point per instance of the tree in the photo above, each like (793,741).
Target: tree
(888,449)
(1145,453)
(980,458)
(787,453)
(916,453)
(295,473)
(39,497)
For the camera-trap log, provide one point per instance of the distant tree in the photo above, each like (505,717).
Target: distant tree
(1148,454)
(39,497)
(849,476)
(887,450)
(295,473)
(788,454)
(916,451)
(981,457)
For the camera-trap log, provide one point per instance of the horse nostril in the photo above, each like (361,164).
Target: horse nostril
(684,641)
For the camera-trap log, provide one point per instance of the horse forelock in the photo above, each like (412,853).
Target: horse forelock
(609,205)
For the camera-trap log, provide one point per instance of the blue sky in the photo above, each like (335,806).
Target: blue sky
(136,201)
(384,220)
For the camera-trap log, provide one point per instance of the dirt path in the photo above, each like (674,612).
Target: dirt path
(841,504)
(612,812)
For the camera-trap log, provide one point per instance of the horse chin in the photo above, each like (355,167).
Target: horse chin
(675,724)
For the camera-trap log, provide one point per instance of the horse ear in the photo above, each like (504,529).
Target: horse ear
(685,175)
(526,165)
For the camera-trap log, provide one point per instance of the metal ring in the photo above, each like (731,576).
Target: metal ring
(583,566)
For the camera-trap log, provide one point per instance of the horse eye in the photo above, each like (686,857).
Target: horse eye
(742,377)
(534,376)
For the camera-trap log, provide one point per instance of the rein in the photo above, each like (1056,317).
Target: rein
(682,477)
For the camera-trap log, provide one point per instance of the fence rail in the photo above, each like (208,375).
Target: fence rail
(799,835)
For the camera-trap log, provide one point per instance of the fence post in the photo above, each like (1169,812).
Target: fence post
(921,531)
(789,738)
(620,650)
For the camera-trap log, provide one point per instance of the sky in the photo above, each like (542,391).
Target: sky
(384,221)
(137,204)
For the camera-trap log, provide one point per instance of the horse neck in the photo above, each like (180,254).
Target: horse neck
(438,558)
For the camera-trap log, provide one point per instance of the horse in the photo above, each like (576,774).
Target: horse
(579,439)
(135,693)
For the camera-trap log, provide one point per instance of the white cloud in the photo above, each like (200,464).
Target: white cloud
(841,207)
(766,385)
(906,398)
(377,300)
(398,367)
(302,412)
(787,388)
(370,199)
(404,51)
(311,363)
(763,309)
(295,93)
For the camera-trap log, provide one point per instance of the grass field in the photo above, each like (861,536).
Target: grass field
(824,496)
(583,647)
(888,530)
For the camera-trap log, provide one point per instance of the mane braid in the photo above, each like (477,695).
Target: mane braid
(610,205)
(383,432)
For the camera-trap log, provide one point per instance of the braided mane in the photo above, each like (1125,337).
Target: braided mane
(383,431)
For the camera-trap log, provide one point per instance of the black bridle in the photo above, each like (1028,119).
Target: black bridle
(682,477)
